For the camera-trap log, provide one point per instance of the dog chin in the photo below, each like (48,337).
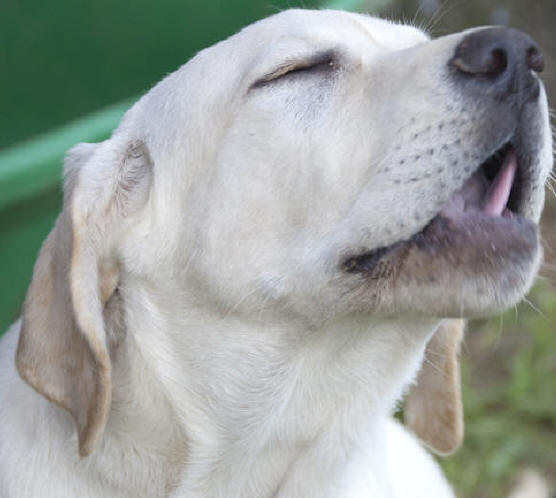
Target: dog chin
(471,267)
(463,266)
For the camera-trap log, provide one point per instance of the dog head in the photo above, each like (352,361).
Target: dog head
(343,163)
(316,164)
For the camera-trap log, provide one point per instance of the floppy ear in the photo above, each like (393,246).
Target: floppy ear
(63,351)
(433,408)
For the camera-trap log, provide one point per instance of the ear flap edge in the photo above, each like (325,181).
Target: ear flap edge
(433,408)
(63,350)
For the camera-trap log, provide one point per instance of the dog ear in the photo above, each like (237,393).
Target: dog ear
(433,408)
(63,350)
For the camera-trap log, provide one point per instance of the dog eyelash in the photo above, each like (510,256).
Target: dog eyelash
(320,62)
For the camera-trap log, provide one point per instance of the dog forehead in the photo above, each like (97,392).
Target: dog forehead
(296,32)
(390,35)
(219,76)
(334,24)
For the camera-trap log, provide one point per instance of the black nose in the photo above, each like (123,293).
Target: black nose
(502,58)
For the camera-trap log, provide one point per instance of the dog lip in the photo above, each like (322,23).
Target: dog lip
(445,234)
(478,199)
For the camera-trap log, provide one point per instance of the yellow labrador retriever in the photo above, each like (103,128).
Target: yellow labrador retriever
(244,277)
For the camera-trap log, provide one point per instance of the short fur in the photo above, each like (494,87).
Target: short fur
(192,329)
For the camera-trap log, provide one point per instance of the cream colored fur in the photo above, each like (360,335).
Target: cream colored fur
(189,332)
(433,408)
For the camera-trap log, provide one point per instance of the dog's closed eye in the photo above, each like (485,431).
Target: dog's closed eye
(321,62)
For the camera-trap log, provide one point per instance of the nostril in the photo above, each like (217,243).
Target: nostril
(498,62)
(477,58)
(486,62)
(534,59)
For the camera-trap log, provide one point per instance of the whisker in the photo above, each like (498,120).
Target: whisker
(435,367)
(443,10)
(534,308)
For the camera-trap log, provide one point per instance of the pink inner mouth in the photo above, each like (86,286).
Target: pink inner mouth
(479,194)
(498,193)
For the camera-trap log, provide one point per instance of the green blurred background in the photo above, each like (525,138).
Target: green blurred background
(70,68)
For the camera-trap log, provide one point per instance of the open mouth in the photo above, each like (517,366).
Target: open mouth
(491,197)
(493,190)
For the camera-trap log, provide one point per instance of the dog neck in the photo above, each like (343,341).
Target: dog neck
(266,410)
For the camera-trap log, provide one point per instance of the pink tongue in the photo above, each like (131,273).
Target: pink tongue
(499,191)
